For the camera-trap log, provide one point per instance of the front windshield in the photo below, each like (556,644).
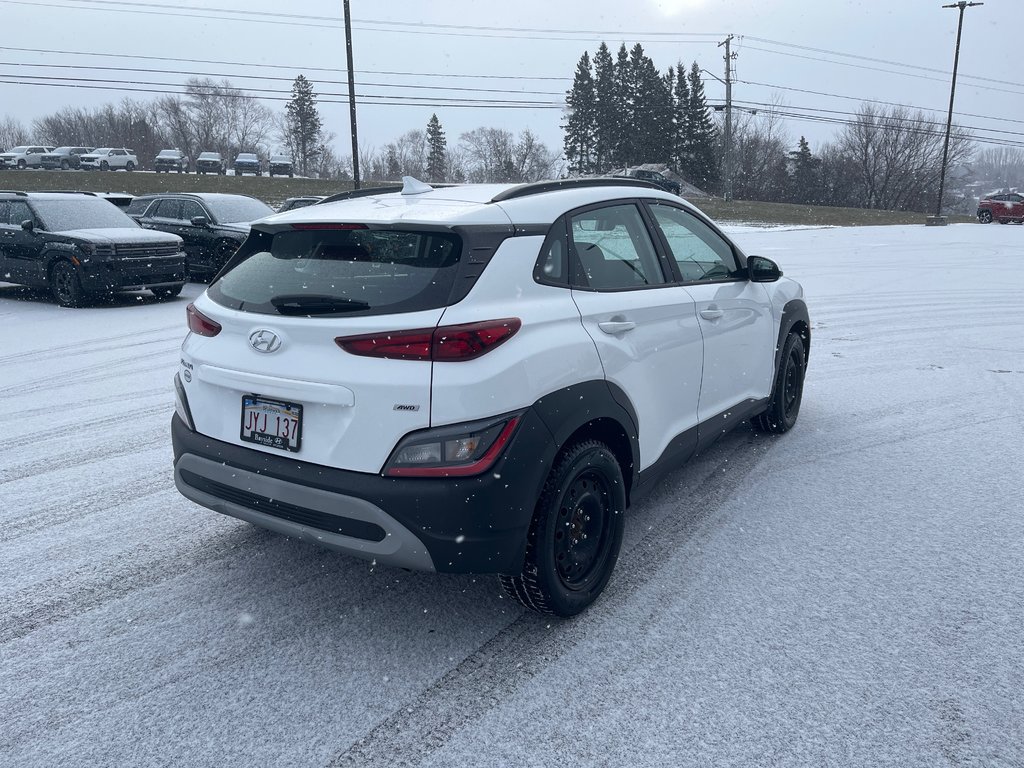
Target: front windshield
(62,151)
(231,210)
(101,151)
(81,213)
(247,157)
(169,153)
(280,159)
(18,150)
(209,156)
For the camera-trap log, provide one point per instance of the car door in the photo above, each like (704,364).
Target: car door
(644,327)
(734,314)
(20,248)
(1016,204)
(199,238)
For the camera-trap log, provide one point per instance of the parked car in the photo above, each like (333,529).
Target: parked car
(23,157)
(479,379)
(210,162)
(654,177)
(247,162)
(79,246)
(1003,207)
(299,202)
(212,225)
(65,158)
(171,160)
(281,165)
(120,199)
(109,159)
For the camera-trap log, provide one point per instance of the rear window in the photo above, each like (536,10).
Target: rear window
(326,272)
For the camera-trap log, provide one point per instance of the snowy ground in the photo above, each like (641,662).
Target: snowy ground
(849,594)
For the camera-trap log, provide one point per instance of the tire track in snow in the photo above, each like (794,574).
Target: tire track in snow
(93,374)
(526,647)
(63,601)
(85,504)
(105,344)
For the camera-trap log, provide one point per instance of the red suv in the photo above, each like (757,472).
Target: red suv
(1004,208)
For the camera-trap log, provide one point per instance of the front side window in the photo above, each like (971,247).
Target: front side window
(331,272)
(190,209)
(614,249)
(700,253)
(168,209)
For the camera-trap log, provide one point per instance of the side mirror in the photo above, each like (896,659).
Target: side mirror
(28,225)
(762,270)
(200,221)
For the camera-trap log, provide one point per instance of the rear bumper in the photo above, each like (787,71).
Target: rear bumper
(450,525)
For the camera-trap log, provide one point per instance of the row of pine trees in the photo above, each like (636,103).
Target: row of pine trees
(622,112)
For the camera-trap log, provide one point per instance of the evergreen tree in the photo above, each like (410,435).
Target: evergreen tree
(681,149)
(303,126)
(702,169)
(581,120)
(622,101)
(648,142)
(437,150)
(607,118)
(804,174)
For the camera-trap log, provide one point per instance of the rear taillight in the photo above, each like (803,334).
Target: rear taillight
(447,343)
(200,323)
(461,450)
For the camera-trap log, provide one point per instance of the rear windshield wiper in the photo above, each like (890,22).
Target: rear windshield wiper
(307,304)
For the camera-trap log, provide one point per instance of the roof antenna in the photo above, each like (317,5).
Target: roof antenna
(411,186)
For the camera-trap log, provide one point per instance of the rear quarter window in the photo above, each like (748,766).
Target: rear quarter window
(327,272)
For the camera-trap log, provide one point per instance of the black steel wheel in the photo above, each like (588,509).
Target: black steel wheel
(104,165)
(575,535)
(787,394)
(65,165)
(66,285)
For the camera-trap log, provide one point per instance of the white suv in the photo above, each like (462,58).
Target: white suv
(23,157)
(109,159)
(478,378)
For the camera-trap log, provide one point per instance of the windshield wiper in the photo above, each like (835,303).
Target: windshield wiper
(307,304)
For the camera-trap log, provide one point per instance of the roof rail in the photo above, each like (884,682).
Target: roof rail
(67,192)
(13,192)
(539,187)
(352,193)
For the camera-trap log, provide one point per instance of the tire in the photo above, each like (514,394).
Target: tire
(584,496)
(259,173)
(166,293)
(291,175)
(104,166)
(66,286)
(985,217)
(65,165)
(129,166)
(21,165)
(784,406)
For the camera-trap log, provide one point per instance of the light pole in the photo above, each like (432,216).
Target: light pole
(962,4)
(351,97)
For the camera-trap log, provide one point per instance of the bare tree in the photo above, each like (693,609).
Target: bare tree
(760,147)
(494,155)
(12,132)
(898,154)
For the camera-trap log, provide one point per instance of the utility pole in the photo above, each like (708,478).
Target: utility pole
(352,97)
(729,56)
(962,4)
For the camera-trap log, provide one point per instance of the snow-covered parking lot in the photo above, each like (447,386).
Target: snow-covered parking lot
(848,594)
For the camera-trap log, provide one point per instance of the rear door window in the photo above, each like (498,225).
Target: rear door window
(331,272)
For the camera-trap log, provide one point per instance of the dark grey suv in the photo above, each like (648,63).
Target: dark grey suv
(79,246)
(212,225)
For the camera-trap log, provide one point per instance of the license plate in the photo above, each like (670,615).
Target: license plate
(272,423)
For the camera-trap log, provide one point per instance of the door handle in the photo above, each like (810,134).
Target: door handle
(711,313)
(616,326)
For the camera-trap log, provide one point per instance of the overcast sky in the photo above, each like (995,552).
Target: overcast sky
(408,55)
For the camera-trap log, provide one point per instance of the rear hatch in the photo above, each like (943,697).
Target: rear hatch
(262,367)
